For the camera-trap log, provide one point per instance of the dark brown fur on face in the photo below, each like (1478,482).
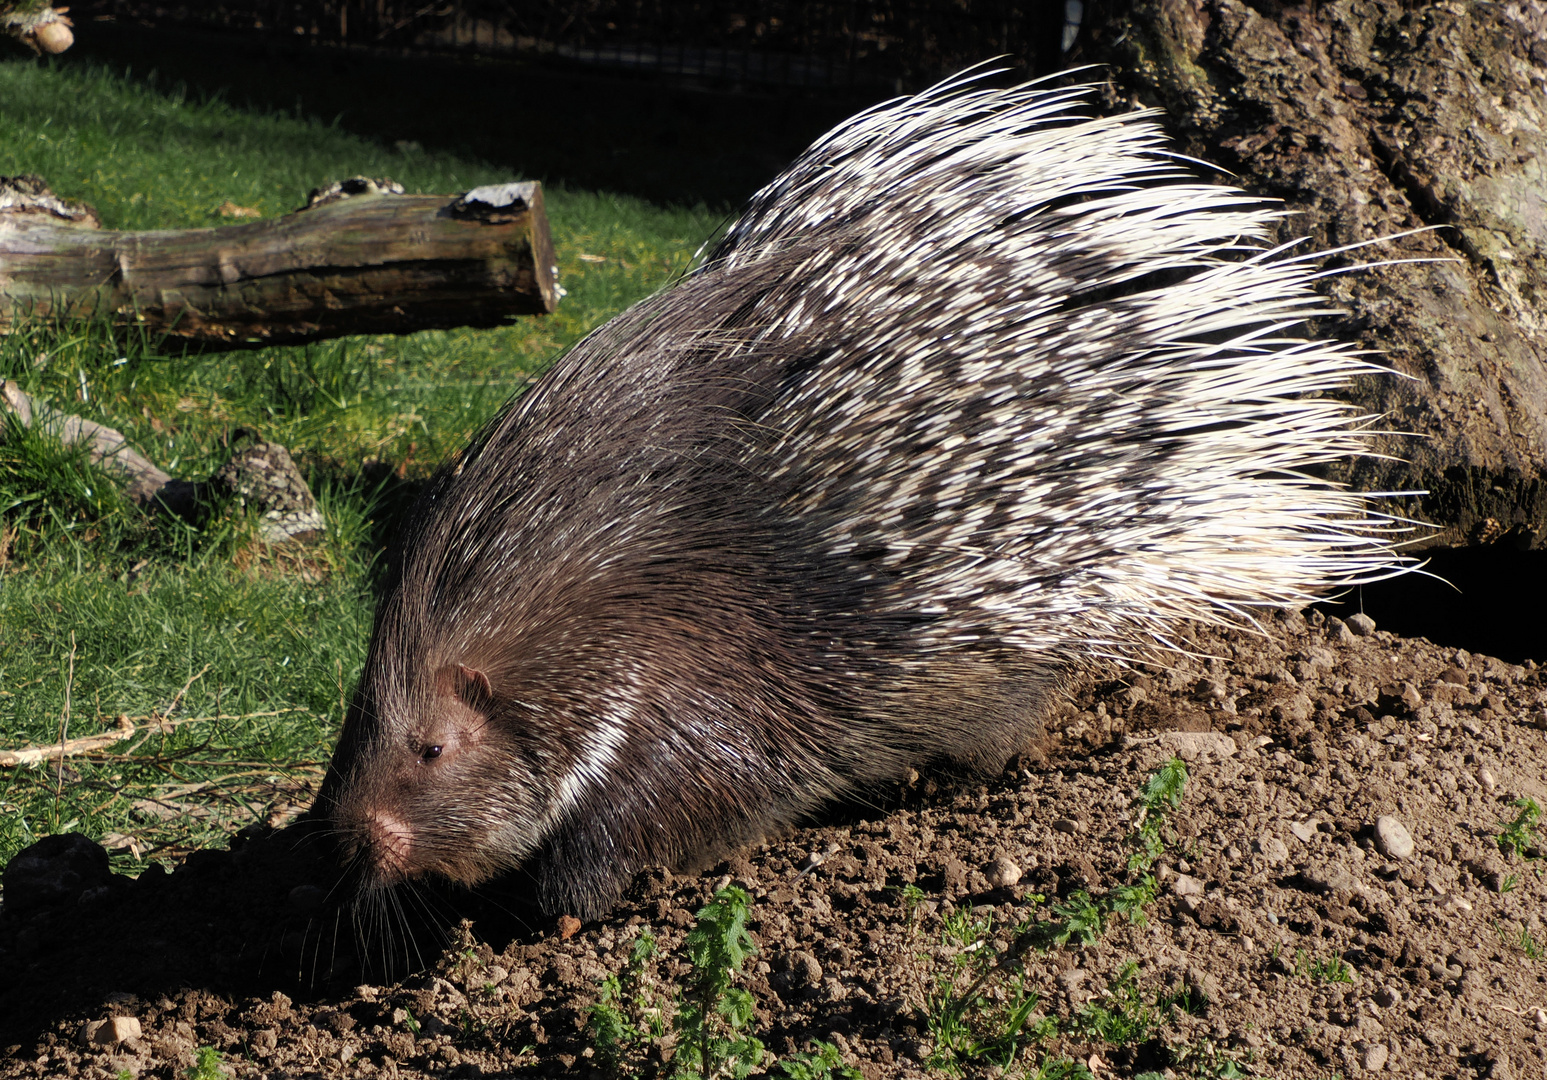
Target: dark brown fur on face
(973,394)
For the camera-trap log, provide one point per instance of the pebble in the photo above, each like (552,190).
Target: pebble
(1539,1018)
(805,969)
(1486,778)
(110,1032)
(1002,873)
(1067,825)
(1361,624)
(1374,1057)
(1070,980)
(1186,885)
(1303,830)
(1193,745)
(1329,877)
(1272,848)
(1392,837)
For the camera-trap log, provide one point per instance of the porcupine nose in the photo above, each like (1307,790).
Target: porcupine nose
(389,843)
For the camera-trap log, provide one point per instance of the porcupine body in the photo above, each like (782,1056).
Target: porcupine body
(977,393)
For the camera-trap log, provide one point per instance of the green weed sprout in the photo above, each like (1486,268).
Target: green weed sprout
(714,1016)
(629,1014)
(979,1010)
(206,1065)
(822,1062)
(1162,794)
(1331,969)
(1519,835)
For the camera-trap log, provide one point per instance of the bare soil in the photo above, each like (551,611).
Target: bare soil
(1274,875)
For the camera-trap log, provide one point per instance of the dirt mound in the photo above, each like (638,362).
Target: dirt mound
(1333,898)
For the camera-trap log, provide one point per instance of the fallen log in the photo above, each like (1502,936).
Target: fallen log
(360,258)
(260,474)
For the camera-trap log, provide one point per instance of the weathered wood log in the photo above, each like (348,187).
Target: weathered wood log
(361,258)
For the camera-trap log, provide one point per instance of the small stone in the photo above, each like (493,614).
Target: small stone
(1193,745)
(1202,984)
(1539,1018)
(569,926)
(1329,878)
(1002,873)
(1071,980)
(1067,825)
(1374,1057)
(1186,885)
(1272,849)
(110,1032)
(1361,624)
(1486,778)
(805,970)
(1392,837)
(1303,830)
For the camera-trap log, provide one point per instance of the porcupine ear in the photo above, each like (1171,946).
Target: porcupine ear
(469,685)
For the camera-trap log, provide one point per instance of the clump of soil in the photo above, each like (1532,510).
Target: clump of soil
(1333,899)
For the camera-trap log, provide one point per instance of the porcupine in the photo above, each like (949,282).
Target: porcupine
(977,393)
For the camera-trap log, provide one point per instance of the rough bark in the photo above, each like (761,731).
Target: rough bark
(1368,118)
(360,258)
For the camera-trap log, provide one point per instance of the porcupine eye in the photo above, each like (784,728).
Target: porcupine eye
(429,753)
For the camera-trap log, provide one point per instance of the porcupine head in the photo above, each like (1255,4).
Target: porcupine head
(977,393)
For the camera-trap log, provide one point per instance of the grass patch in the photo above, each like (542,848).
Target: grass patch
(232,657)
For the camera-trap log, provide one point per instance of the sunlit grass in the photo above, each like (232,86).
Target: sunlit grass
(108,612)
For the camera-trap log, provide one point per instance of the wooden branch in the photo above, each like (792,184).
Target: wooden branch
(359,259)
(32,755)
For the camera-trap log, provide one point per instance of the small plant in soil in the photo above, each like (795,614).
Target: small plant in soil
(1519,836)
(1161,795)
(1123,1016)
(206,1065)
(1520,939)
(630,1015)
(1209,1062)
(714,1017)
(822,1062)
(1328,969)
(978,1011)
(711,1025)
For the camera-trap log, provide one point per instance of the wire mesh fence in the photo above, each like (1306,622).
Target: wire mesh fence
(818,44)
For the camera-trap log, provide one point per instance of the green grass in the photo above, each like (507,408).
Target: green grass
(105,612)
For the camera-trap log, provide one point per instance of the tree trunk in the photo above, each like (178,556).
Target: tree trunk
(357,260)
(1368,118)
